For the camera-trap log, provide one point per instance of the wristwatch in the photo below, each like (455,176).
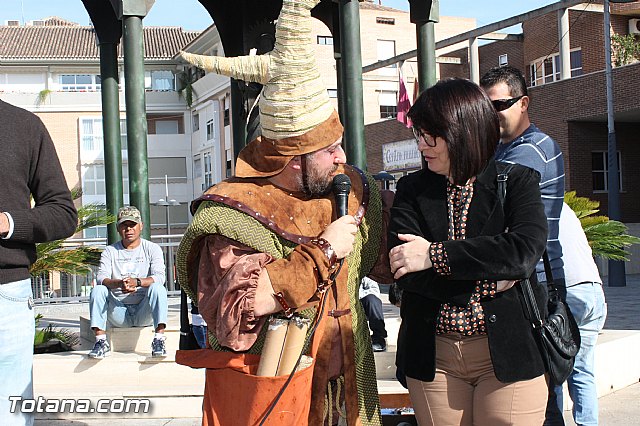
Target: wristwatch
(138,282)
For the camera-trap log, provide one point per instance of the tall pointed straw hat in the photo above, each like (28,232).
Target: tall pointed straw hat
(296,114)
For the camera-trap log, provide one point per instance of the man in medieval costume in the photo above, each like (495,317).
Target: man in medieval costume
(268,242)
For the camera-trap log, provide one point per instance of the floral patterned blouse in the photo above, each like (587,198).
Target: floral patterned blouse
(467,320)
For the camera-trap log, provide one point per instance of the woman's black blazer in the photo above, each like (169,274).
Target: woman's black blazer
(501,243)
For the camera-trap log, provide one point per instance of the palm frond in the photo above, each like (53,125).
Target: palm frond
(53,256)
(90,215)
(608,238)
(75,261)
(582,206)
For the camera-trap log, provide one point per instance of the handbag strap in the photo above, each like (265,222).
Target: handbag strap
(525,285)
(547,269)
(502,195)
(531,304)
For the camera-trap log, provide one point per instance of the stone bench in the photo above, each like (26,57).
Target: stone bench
(130,339)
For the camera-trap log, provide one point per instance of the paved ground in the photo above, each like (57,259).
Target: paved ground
(621,408)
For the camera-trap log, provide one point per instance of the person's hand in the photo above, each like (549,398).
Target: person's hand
(504,285)
(129,285)
(4,224)
(411,256)
(341,234)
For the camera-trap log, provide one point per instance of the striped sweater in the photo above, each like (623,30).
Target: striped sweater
(538,151)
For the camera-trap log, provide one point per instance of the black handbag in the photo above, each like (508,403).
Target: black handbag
(187,338)
(558,336)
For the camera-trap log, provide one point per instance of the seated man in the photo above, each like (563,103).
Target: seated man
(130,286)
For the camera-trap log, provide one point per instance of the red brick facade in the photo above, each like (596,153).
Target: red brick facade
(378,134)
(574,113)
(571,111)
(586,32)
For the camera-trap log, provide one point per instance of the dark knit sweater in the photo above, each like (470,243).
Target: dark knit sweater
(30,166)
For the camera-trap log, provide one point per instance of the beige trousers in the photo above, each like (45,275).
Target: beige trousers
(466,392)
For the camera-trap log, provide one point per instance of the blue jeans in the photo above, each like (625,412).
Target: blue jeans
(200,333)
(105,306)
(586,301)
(17,330)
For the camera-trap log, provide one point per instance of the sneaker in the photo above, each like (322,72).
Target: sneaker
(100,350)
(157,348)
(379,347)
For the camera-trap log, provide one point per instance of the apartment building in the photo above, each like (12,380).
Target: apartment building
(51,67)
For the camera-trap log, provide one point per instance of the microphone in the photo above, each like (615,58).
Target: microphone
(341,187)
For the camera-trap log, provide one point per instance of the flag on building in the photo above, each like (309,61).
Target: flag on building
(403,104)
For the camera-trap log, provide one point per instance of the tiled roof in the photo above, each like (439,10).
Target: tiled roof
(53,21)
(64,40)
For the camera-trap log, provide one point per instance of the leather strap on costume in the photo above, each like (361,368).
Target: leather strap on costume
(337,313)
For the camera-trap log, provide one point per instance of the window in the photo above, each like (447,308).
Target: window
(93,180)
(123,134)
(385,21)
(503,60)
(79,82)
(227,101)
(159,80)
(172,167)
(325,40)
(94,191)
(547,70)
(600,171)
(95,232)
(386,50)
(91,134)
(388,104)
(208,172)
(229,157)
(333,93)
(196,122)
(178,216)
(576,63)
(210,129)
(166,127)
(197,168)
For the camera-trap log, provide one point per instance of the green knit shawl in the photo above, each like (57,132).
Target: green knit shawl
(217,218)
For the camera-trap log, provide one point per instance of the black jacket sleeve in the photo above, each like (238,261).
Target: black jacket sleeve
(513,253)
(508,245)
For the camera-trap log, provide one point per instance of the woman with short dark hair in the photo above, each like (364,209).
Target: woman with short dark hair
(465,343)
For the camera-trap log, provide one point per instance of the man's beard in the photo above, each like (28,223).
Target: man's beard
(318,181)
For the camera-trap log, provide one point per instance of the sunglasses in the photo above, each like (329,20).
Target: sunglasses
(502,104)
(420,135)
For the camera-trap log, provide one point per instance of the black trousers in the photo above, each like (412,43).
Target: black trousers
(373,309)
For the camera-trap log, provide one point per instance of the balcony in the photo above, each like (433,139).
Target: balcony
(169,101)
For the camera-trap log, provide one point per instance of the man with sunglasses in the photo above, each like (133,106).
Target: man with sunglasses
(521,142)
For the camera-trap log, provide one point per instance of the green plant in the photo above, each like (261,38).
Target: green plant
(608,238)
(42,96)
(626,49)
(187,78)
(53,256)
(51,332)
